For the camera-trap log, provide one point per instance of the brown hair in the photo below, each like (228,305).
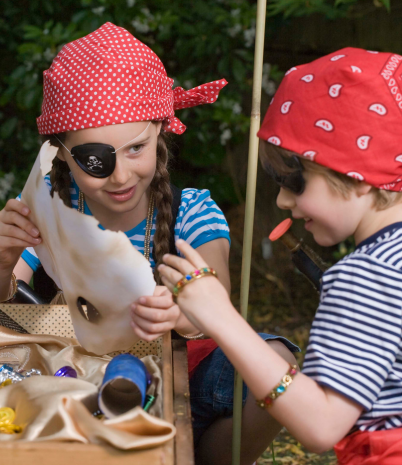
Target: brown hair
(339,183)
(160,186)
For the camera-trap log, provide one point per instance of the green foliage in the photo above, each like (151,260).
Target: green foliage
(218,44)
(344,248)
(330,8)
(198,41)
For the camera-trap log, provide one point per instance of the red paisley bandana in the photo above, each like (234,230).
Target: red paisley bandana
(110,77)
(343,111)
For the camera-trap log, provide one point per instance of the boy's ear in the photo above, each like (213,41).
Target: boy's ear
(363,188)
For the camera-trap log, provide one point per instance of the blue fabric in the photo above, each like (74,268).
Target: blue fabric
(212,386)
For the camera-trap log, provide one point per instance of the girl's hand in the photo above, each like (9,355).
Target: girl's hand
(16,233)
(204,300)
(154,315)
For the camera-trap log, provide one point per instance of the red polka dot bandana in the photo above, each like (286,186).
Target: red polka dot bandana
(110,77)
(343,111)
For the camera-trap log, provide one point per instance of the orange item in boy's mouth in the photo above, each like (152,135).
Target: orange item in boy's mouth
(281,229)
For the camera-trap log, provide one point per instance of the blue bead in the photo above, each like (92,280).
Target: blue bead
(66,372)
(188,277)
(280,389)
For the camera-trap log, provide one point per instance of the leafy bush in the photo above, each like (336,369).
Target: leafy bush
(198,41)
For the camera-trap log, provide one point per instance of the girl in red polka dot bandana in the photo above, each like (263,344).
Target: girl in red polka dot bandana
(332,141)
(108,104)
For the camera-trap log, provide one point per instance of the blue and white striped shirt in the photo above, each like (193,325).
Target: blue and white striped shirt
(199,220)
(355,345)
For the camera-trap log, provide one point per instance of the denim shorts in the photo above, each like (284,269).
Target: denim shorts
(212,386)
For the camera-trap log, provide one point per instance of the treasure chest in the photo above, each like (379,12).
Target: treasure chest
(54,319)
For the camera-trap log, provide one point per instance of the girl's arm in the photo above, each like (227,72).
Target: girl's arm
(216,253)
(315,415)
(23,271)
(16,233)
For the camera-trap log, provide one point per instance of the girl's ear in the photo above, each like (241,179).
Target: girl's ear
(60,155)
(363,188)
(158,128)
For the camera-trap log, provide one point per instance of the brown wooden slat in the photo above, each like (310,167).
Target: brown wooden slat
(184,450)
(79,454)
(167,376)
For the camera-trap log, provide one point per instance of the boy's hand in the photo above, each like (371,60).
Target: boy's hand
(154,315)
(16,233)
(204,300)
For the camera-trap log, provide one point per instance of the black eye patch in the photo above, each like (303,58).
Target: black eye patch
(293,181)
(97,160)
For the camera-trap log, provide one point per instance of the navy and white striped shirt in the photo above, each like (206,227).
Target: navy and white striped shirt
(199,221)
(355,345)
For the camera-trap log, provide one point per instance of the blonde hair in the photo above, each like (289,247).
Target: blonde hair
(339,183)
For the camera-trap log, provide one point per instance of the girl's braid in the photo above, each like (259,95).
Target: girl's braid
(160,187)
(60,173)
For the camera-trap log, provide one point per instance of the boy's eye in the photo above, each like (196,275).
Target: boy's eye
(135,149)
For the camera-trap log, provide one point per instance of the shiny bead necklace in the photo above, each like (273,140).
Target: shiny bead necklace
(148,227)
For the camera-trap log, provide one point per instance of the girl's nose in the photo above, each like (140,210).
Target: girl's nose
(285,199)
(121,173)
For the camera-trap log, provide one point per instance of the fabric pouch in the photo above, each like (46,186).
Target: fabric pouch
(50,408)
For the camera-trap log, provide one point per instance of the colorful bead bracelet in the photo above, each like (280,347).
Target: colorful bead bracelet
(196,274)
(279,389)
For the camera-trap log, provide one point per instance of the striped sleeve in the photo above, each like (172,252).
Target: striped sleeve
(200,220)
(356,334)
(31,258)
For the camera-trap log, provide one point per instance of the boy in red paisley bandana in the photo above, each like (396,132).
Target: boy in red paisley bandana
(332,141)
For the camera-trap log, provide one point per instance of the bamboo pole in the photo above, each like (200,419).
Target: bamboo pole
(249,212)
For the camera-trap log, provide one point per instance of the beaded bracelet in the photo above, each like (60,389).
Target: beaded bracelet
(279,389)
(197,336)
(196,274)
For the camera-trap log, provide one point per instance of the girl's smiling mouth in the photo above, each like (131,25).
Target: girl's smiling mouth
(122,195)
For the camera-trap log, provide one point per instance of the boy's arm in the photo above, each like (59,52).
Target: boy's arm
(317,416)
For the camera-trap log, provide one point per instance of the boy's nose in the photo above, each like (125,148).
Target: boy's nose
(285,199)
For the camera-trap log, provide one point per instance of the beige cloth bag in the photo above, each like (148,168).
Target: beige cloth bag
(60,409)
(56,320)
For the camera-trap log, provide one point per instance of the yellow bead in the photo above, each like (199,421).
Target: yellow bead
(7,416)
(5,383)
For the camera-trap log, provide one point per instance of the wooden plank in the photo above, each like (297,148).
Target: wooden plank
(167,372)
(51,453)
(167,376)
(184,450)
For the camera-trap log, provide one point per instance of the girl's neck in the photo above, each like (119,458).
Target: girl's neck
(116,221)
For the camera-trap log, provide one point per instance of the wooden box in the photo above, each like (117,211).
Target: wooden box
(176,409)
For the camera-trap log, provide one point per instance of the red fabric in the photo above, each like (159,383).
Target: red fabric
(371,448)
(110,77)
(343,111)
(196,352)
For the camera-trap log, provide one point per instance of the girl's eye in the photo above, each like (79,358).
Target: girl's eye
(135,149)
